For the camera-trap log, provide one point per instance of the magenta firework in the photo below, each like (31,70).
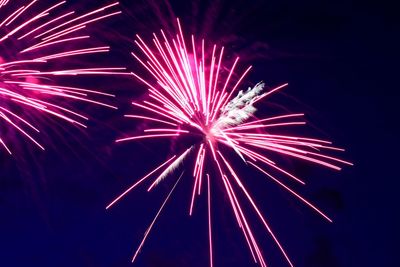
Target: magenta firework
(193,93)
(35,41)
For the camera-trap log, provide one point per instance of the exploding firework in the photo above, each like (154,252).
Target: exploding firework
(34,41)
(191,94)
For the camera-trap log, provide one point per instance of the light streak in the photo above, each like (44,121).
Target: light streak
(191,91)
(34,44)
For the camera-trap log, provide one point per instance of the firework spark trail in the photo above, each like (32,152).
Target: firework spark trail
(3,3)
(32,43)
(190,94)
(155,218)
(209,219)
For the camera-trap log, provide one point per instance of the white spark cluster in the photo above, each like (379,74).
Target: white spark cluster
(240,108)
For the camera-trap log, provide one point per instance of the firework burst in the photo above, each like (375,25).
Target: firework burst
(191,94)
(34,41)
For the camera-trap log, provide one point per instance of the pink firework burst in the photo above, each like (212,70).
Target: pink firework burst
(34,41)
(191,94)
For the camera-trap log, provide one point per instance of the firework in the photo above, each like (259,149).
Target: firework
(34,41)
(191,94)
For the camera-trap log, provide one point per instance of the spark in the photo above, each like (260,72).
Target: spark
(191,94)
(34,41)
(155,218)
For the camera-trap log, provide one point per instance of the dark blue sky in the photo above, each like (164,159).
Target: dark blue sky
(339,60)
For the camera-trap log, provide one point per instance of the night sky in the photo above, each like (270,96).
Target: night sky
(339,60)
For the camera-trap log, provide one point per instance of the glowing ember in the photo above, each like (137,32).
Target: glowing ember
(32,43)
(191,95)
